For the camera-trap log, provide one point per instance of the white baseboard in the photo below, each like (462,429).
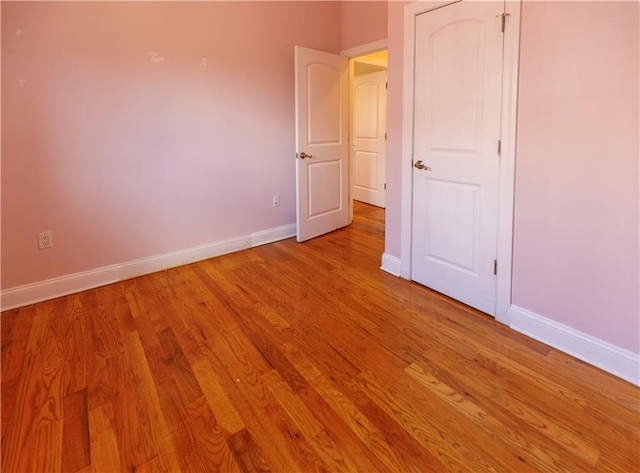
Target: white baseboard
(61,286)
(391,264)
(612,359)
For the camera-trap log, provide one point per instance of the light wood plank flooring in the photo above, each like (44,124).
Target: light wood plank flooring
(293,358)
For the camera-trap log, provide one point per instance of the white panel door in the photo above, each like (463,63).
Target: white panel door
(458,69)
(321,142)
(369,145)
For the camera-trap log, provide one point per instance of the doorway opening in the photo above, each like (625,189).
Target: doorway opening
(329,169)
(368,129)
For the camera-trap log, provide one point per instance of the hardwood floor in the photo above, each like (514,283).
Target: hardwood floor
(297,357)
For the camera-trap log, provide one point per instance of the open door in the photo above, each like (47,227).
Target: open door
(321,142)
(368,138)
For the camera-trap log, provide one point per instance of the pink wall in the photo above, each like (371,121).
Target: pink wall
(124,158)
(363,22)
(395,29)
(576,242)
(576,210)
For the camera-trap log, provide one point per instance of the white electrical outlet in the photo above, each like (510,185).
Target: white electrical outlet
(276,200)
(45,240)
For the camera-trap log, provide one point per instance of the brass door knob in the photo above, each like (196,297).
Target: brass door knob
(421,165)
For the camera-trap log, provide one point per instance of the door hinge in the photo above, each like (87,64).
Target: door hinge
(503,19)
(386,85)
(495,267)
(385,186)
(385,136)
(499,147)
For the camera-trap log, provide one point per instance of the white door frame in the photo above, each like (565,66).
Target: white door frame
(507,158)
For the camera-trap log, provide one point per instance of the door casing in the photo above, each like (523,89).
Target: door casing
(507,158)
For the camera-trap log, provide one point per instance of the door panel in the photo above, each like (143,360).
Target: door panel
(456,92)
(451,240)
(366,116)
(324,104)
(458,71)
(321,142)
(365,172)
(325,193)
(369,144)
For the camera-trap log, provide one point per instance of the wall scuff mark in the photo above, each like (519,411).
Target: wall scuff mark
(155,58)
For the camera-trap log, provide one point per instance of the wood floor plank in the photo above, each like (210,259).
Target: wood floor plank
(136,407)
(103,441)
(75,432)
(68,324)
(469,406)
(219,402)
(186,382)
(271,352)
(15,336)
(9,390)
(33,440)
(211,445)
(295,408)
(260,442)
(248,454)
(438,428)
(512,385)
(104,333)
(361,442)
(296,444)
(294,357)
(349,413)
(507,393)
